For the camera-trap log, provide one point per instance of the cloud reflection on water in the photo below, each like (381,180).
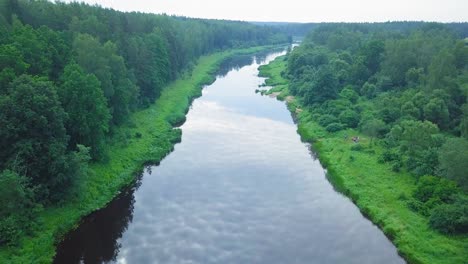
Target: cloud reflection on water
(242,188)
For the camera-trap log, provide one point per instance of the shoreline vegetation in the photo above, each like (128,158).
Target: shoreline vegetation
(380,193)
(147,138)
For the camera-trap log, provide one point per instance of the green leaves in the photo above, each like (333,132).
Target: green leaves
(453,159)
(84,102)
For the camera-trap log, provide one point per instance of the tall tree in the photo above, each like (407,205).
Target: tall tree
(85,104)
(33,138)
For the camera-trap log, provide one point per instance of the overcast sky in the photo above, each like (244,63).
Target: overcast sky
(301,10)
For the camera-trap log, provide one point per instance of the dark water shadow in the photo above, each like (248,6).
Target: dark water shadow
(96,238)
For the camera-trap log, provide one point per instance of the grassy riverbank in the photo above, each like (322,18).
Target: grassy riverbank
(380,193)
(148,138)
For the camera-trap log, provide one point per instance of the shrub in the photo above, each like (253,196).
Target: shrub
(17,206)
(451,218)
(349,93)
(9,230)
(356,147)
(350,118)
(326,120)
(397,165)
(453,158)
(334,127)
(176,119)
(390,155)
(430,187)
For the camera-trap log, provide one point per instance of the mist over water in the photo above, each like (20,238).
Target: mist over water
(241,187)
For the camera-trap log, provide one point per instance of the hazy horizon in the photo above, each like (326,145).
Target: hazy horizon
(300,11)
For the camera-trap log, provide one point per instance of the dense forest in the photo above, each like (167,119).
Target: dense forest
(403,27)
(406,90)
(70,74)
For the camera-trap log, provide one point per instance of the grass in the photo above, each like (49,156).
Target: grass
(379,192)
(148,138)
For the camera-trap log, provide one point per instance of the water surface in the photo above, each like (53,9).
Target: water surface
(240,188)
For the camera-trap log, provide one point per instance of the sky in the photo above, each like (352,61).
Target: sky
(301,10)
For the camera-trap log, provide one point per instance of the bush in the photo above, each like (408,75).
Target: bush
(349,93)
(17,206)
(432,192)
(390,155)
(430,187)
(334,127)
(451,218)
(356,147)
(176,119)
(397,165)
(9,230)
(350,118)
(326,120)
(423,162)
(453,159)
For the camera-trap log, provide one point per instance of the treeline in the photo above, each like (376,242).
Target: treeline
(407,91)
(403,27)
(70,74)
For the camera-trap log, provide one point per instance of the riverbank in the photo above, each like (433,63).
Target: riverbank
(147,138)
(380,193)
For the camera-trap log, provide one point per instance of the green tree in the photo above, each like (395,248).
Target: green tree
(453,159)
(34,49)
(408,109)
(373,127)
(17,208)
(451,218)
(11,64)
(150,59)
(349,94)
(90,55)
(85,104)
(33,138)
(436,111)
(419,141)
(368,90)
(350,118)
(372,52)
(324,87)
(442,71)
(464,121)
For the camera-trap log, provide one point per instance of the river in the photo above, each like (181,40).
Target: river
(240,188)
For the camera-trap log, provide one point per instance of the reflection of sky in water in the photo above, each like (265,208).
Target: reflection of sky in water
(242,188)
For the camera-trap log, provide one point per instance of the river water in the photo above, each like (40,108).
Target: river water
(240,188)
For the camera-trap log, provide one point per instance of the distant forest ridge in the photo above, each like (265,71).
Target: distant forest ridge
(404,27)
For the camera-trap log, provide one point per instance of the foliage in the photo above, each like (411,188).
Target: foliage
(451,218)
(410,137)
(453,160)
(17,208)
(33,138)
(83,100)
(349,118)
(334,127)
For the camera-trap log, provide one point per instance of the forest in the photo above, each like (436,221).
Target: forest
(407,91)
(70,74)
